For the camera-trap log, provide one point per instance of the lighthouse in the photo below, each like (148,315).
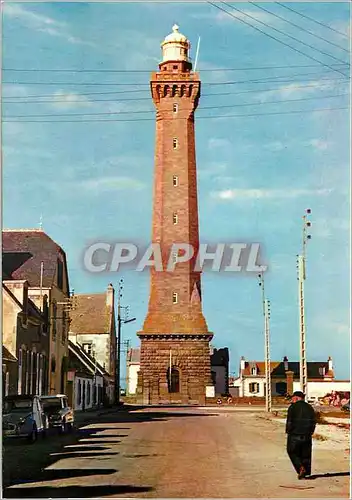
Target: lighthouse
(175,355)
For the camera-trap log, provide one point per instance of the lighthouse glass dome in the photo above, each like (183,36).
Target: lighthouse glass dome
(175,47)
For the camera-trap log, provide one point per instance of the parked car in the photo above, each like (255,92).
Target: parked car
(60,415)
(23,416)
(346,407)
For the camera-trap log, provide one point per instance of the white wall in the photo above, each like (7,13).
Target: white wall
(101,346)
(132,378)
(320,389)
(90,387)
(246,392)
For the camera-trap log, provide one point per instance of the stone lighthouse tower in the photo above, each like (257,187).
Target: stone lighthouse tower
(175,356)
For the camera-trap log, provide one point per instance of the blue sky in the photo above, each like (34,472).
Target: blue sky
(257,174)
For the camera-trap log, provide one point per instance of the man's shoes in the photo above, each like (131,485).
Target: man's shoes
(302,473)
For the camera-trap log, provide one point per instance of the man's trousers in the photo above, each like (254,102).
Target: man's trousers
(299,449)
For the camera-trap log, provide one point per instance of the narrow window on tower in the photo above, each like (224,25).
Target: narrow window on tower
(174,257)
(175,143)
(175,218)
(175,297)
(175,108)
(175,180)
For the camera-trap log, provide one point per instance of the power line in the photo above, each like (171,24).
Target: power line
(289,36)
(270,36)
(300,27)
(199,117)
(312,19)
(129,99)
(247,68)
(266,79)
(111,113)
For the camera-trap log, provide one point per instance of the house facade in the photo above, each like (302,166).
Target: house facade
(93,327)
(89,385)
(285,378)
(25,342)
(32,256)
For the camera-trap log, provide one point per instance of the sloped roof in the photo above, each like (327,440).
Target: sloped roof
(23,251)
(6,355)
(278,368)
(91,314)
(86,359)
(33,311)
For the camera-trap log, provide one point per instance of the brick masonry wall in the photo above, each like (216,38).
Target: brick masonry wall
(189,355)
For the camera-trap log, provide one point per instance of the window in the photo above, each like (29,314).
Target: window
(175,143)
(64,324)
(281,388)
(173,382)
(254,370)
(174,257)
(79,393)
(254,387)
(322,370)
(174,66)
(88,347)
(175,108)
(88,393)
(175,218)
(45,314)
(175,297)
(175,181)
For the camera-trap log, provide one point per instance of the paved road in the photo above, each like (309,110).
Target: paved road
(170,453)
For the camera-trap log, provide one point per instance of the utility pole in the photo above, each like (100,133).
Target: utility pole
(120,320)
(301,267)
(266,314)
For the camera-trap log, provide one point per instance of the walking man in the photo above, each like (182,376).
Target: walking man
(300,426)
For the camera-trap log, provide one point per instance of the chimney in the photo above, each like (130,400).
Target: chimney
(286,363)
(330,364)
(242,363)
(110,296)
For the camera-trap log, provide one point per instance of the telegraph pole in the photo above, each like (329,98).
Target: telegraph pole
(266,314)
(301,266)
(120,320)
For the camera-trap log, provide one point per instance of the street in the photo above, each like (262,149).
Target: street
(169,452)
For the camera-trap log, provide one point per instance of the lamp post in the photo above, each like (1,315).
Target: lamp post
(266,314)
(120,320)
(301,267)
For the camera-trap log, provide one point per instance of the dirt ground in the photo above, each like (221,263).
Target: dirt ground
(183,453)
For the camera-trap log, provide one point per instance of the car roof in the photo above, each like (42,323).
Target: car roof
(54,396)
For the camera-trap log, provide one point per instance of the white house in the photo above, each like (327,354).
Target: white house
(133,365)
(285,378)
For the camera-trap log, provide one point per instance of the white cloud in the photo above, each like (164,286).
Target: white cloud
(112,184)
(42,24)
(215,142)
(319,144)
(297,89)
(250,194)
(62,99)
(275,146)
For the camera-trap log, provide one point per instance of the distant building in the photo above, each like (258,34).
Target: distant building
(133,365)
(219,359)
(30,255)
(285,378)
(93,327)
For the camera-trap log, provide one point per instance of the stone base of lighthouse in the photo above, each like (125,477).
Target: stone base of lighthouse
(190,369)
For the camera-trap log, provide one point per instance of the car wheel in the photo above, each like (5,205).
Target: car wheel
(62,429)
(33,436)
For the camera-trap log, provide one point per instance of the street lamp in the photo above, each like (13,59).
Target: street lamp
(266,314)
(301,267)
